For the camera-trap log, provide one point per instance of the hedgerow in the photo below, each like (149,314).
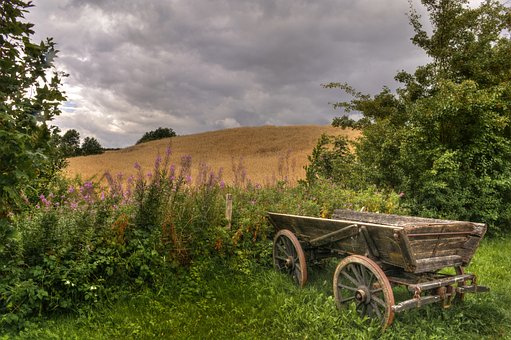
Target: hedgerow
(91,242)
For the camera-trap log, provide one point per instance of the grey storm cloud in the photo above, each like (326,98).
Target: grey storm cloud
(205,65)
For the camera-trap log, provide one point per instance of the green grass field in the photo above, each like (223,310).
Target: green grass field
(263,304)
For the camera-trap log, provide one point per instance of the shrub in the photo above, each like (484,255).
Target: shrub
(159,133)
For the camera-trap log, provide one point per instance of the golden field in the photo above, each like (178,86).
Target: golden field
(267,153)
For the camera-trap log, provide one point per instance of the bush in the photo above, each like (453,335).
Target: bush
(159,133)
(91,146)
(89,242)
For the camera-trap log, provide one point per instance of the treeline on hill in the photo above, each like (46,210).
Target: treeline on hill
(69,145)
(443,139)
(159,133)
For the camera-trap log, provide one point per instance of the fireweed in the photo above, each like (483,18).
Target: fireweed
(125,233)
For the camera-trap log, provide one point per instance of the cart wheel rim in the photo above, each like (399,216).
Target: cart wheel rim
(361,281)
(288,256)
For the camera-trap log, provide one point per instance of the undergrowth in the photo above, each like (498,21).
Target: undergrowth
(86,243)
(225,304)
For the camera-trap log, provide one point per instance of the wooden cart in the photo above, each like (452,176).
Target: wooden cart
(380,251)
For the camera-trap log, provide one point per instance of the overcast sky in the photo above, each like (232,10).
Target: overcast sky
(204,65)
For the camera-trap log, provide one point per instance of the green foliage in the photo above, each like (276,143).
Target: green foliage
(70,143)
(29,97)
(444,138)
(159,133)
(91,146)
(84,243)
(263,304)
(332,159)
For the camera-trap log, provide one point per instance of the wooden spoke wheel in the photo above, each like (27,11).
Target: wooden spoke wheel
(288,256)
(360,281)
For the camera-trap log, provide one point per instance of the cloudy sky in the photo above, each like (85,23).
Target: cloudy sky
(202,65)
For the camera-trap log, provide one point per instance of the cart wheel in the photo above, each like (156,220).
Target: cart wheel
(288,256)
(459,297)
(359,280)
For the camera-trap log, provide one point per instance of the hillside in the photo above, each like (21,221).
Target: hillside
(267,153)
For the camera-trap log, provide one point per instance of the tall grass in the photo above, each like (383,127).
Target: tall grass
(264,304)
(151,256)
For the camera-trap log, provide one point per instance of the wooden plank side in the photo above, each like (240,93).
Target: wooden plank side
(378,218)
(435,263)
(438,241)
(310,227)
(436,253)
(334,236)
(452,228)
(388,247)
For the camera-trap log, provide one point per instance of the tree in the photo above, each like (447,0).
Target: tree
(444,137)
(91,146)
(159,133)
(30,96)
(70,143)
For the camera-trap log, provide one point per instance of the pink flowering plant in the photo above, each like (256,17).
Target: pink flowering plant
(86,240)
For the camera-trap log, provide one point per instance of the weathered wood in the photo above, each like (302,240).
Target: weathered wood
(406,250)
(387,219)
(335,236)
(370,243)
(418,230)
(414,244)
(435,263)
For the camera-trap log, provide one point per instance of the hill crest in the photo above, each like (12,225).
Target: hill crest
(267,153)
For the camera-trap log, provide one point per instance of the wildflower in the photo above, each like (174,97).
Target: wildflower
(93,287)
(44,201)
(73,205)
(189,179)
(71,189)
(222,184)
(401,194)
(67,283)
(157,162)
(168,152)
(102,196)
(137,166)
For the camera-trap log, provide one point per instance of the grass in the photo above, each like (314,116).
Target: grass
(263,304)
(268,152)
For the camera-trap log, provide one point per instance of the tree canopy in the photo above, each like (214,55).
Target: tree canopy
(443,138)
(91,146)
(159,133)
(70,143)
(30,95)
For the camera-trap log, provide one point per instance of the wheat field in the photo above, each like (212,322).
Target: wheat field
(266,153)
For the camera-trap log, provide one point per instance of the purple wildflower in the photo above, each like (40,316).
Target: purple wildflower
(157,162)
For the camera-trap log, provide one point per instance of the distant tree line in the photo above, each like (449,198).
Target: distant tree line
(159,133)
(70,145)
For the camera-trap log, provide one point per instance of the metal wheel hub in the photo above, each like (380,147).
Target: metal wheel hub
(289,262)
(363,294)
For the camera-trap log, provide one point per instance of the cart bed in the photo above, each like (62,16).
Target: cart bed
(415,244)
